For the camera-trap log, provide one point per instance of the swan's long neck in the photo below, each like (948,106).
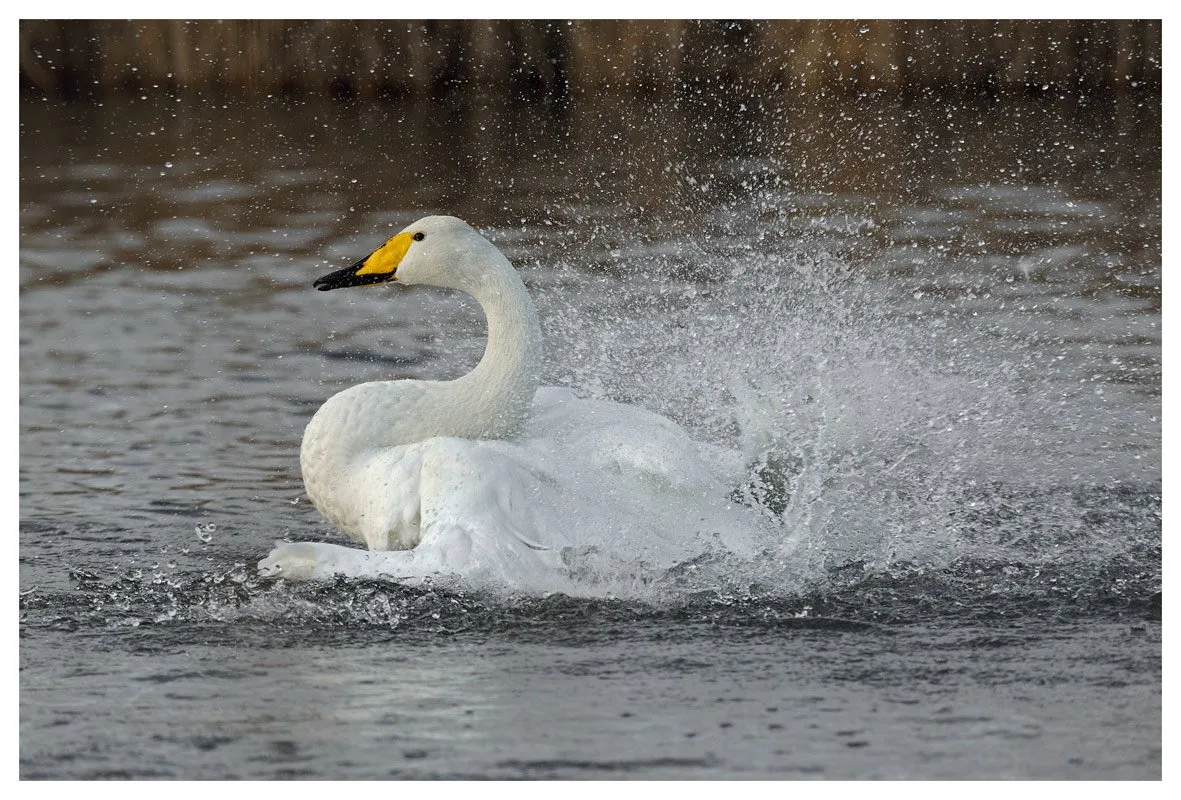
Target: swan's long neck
(494,398)
(492,401)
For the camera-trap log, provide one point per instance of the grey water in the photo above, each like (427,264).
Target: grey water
(945,314)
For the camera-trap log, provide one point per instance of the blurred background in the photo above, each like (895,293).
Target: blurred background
(547,60)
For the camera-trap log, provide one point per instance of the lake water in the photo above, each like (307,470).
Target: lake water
(948,311)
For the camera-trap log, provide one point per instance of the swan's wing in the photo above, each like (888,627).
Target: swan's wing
(667,495)
(633,441)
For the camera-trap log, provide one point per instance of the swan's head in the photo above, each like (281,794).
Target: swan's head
(437,251)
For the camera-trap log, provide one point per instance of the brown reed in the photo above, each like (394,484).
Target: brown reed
(548,59)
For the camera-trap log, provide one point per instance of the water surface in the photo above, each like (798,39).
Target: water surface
(947,312)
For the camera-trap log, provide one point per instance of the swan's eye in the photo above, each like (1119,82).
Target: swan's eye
(418,237)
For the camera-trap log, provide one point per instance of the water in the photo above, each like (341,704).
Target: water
(942,317)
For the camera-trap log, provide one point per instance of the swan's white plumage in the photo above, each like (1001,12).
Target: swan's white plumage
(491,478)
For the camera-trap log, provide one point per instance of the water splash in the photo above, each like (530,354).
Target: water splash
(908,465)
(874,430)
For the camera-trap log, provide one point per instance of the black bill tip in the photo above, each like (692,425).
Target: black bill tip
(348,276)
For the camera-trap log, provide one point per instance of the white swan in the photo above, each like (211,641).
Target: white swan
(489,479)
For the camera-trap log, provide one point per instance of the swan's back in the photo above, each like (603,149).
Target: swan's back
(630,441)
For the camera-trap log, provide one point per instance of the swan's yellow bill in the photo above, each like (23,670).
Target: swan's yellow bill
(378,267)
(385,259)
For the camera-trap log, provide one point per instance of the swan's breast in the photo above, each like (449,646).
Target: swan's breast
(368,415)
(344,436)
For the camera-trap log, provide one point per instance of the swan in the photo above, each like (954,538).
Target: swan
(491,480)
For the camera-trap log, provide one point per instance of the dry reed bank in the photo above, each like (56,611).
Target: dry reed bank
(528,59)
